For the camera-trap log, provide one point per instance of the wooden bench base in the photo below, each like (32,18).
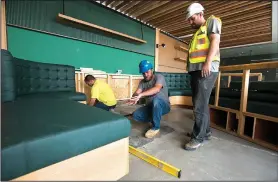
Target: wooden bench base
(181,100)
(109,162)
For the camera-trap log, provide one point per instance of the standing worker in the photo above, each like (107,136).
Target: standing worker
(153,87)
(203,66)
(102,95)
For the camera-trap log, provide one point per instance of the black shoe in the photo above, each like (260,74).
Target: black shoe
(192,145)
(207,137)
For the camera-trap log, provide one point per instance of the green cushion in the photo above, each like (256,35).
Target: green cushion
(36,133)
(259,107)
(8,87)
(75,96)
(179,92)
(264,86)
(252,95)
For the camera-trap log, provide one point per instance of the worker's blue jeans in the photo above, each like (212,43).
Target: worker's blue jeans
(152,112)
(103,106)
(201,90)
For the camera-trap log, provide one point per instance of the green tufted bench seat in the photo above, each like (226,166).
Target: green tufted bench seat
(179,88)
(47,135)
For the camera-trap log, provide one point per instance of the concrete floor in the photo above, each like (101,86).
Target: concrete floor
(225,157)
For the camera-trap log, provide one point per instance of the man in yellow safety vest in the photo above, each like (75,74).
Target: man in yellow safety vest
(202,64)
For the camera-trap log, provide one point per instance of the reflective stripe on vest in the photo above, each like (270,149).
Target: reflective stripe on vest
(199,45)
(199,53)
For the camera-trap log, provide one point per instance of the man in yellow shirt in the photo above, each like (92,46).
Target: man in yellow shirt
(102,95)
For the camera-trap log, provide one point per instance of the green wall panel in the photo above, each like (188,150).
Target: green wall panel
(41,15)
(40,47)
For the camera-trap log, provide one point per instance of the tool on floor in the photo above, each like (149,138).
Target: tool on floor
(155,162)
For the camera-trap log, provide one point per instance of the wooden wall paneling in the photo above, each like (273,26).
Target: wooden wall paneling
(3,26)
(120,87)
(217,89)
(171,59)
(135,83)
(156,59)
(170,69)
(130,86)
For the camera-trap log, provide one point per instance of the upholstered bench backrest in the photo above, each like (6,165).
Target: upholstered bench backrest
(259,86)
(177,80)
(34,77)
(20,77)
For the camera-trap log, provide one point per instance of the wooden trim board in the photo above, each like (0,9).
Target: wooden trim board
(3,26)
(81,22)
(109,162)
(180,59)
(181,100)
(181,48)
(260,116)
(262,65)
(224,109)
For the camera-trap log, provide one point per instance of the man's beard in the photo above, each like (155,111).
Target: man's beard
(194,26)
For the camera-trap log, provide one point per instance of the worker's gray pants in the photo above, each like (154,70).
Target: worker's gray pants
(201,90)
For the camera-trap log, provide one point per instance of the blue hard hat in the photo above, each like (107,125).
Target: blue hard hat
(145,66)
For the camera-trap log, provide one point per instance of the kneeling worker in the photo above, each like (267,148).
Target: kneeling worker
(102,96)
(154,88)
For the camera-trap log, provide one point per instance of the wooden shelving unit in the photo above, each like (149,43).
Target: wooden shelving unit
(256,128)
(181,48)
(180,59)
(91,25)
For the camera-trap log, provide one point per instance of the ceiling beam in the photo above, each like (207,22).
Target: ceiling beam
(136,7)
(248,38)
(174,16)
(216,9)
(108,2)
(274,21)
(254,13)
(245,8)
(150,7)
(161,9)
(129,5)
(120,6)
(177,31)
(115,3)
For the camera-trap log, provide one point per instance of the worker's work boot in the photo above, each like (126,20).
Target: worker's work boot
(193,145)
(151,133)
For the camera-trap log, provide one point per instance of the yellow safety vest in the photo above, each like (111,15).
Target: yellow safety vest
(199,45)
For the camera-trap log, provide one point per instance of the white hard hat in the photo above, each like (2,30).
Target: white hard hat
(193,9)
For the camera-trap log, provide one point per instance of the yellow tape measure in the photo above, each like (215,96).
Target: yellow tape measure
(156,162)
